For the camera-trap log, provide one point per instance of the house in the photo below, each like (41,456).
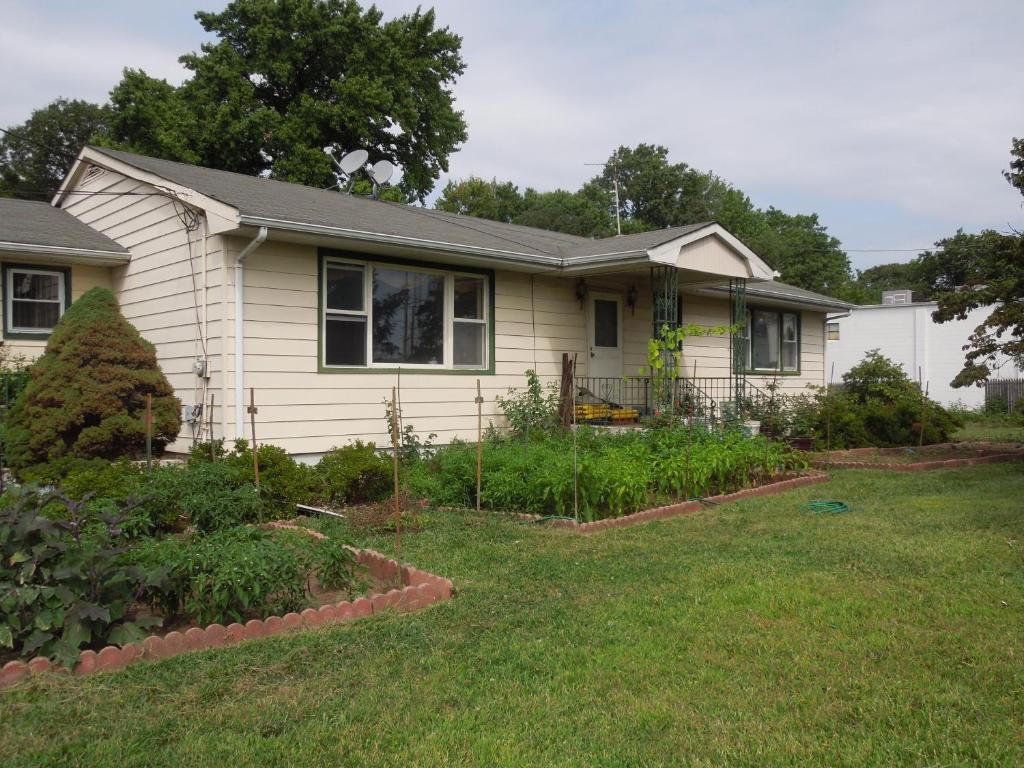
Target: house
(320,302)
(903,330)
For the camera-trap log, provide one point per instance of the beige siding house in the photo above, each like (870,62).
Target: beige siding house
(321,301)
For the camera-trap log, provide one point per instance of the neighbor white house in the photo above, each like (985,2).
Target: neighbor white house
(320,301)
(903,330)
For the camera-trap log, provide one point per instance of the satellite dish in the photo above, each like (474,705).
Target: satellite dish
(353,161)
(381,171)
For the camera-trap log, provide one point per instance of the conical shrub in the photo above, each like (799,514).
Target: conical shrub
(86,395)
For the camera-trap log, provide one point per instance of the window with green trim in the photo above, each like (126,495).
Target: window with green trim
(385,315)
(772,341)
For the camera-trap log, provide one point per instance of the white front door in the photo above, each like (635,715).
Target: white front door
(604,336)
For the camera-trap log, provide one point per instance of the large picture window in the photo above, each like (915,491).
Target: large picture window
(773,341)
(388,315)
(34,299)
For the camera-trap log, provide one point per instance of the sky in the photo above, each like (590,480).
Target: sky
(891,120)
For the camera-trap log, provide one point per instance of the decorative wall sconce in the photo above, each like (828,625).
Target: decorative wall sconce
(632,297)
(581,291)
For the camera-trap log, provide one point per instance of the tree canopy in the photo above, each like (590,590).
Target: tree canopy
(280,86)
(35,156)
(655,193)
(283,81)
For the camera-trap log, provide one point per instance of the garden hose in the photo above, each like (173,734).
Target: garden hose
(819,507)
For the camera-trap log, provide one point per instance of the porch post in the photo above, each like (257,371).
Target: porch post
(665,312)
(738,341)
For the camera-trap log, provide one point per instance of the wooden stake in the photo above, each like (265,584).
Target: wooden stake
(924,414)
(394,462)
(479,440)
(149,432)
(252,420)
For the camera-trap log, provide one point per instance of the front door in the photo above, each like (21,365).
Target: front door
(605,336)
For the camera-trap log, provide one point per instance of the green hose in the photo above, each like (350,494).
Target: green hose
(819,507)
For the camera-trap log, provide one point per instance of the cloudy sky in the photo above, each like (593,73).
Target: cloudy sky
(892,119)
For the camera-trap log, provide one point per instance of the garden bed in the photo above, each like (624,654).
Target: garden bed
(414,589)
(777,485)
(915,459)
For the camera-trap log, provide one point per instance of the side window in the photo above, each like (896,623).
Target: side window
(34,299)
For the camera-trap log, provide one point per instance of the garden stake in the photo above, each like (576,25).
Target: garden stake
(575,471)
(479,440)
(252,421)
(394,463)
(924,415)
(149,432)
(828,420)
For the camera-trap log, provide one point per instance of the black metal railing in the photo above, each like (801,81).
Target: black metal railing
(628,398)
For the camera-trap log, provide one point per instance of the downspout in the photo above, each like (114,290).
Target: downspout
(255,243)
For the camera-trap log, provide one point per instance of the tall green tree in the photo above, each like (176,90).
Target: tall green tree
(473,196)
(286,79)
(968,272)
(1015,174)
(35,156)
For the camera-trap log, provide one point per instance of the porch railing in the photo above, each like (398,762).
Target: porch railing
(625,398)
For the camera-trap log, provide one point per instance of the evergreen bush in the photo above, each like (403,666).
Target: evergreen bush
(86,395)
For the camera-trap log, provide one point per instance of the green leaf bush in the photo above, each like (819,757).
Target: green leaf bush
(86,395)
(354,474)
(64,584)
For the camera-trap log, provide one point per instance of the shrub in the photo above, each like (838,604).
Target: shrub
(354,474)
(63,584)
(86,395)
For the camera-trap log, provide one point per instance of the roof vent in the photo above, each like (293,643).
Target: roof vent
(904,296)
(93,173)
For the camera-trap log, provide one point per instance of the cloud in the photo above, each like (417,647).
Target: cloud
(891,119)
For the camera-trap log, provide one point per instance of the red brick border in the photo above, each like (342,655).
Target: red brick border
(917,466)
(419,590)
(685,507)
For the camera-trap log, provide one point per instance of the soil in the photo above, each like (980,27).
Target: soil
(915,455)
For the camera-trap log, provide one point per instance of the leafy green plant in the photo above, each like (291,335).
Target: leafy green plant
(335,565)
(228,575)
(664,359)
(63,584)
(354,474)
(534,408)
(411,447)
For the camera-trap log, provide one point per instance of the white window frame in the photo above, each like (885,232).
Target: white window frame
(448,344)
(832,325)
(9,299)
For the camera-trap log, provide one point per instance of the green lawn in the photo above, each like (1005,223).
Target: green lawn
(752,634)
(991,429)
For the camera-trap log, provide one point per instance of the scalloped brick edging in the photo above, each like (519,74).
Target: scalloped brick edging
(917,466)
(420,589)
(685,507)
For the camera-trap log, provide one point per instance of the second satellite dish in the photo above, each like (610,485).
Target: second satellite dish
(381,171)
(353,161)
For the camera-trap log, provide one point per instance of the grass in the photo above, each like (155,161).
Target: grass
(752,634)
(996,429)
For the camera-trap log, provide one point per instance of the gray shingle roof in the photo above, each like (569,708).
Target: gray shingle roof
(30,222)
(268,198)
(640,241)
(785,292)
